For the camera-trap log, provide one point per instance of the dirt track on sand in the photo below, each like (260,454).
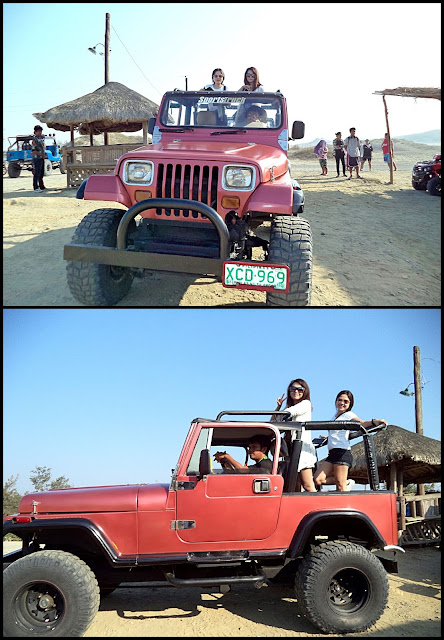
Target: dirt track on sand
(413,611)
(374,244)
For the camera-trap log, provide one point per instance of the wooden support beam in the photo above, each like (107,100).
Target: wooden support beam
(389,140)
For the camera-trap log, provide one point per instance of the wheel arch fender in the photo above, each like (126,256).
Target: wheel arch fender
(64,532)
(348,523)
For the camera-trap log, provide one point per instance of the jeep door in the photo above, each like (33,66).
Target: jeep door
(225,507)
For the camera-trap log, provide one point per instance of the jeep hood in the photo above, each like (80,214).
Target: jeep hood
(95,499)
(208,151)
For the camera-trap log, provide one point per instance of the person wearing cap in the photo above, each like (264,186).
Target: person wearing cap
(338,150)
(38,158)
(258,447)
(352,145)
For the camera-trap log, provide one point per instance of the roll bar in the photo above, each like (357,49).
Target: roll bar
(330,425)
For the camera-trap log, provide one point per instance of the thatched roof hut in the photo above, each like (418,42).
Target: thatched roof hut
(400,454)
(110,108)
(412,92)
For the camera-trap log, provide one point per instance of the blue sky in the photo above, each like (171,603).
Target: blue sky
(106,396)
(327,58)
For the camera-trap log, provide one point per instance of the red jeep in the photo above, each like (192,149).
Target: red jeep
(206,528)
(217,169)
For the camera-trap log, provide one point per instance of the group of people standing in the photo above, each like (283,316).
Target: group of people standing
(350,153)
(334,469)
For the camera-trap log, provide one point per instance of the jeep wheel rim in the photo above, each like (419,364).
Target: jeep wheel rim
(348,591)
(39,606)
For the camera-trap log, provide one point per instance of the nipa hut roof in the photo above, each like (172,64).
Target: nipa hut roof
(418,456)
(110,108)
(412,92)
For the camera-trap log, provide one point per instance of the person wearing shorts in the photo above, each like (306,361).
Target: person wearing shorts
(352,145)
(367,155)
(385,150)
(334,469)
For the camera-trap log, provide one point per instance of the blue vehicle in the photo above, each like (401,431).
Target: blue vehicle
(19,156)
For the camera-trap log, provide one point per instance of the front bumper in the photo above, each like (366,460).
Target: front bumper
(124,256)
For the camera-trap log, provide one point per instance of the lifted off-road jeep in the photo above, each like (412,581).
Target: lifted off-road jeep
(209,529)
(217,169)
(19,155)
(426,175)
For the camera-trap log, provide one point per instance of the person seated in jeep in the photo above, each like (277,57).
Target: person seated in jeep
(255,117)
(258,447)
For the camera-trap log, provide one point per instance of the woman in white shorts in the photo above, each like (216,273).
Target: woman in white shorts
(334,469)
(299,405)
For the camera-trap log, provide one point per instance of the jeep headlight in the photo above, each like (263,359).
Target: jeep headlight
(138,172)
(238,177)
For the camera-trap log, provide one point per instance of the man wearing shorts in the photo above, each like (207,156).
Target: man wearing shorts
(352,145)
(385,150)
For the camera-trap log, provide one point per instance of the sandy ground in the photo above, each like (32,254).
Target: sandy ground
(374,244)
(413,611)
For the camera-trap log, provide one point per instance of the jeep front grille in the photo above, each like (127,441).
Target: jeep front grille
(187,181)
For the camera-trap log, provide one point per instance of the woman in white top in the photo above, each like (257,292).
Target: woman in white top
(218,77)
(334,469)
(299,405)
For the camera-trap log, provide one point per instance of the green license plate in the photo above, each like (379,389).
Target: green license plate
(253,275)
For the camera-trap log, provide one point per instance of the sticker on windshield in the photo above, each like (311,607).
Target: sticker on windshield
(220,99)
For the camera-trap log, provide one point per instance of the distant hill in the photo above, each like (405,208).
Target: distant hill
(113,138)
(404,149)
(428,137)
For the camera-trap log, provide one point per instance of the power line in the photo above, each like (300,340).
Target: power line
(160,94)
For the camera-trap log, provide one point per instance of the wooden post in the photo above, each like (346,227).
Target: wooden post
(107,32)
(393,473)
(71,129)
(107,36)
(389,140)
(145,132)
(400,479)
(418,390)
(418,413)
(91,141)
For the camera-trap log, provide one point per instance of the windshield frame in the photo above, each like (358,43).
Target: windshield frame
(186,120)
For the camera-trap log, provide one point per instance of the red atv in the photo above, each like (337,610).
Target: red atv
(426,175)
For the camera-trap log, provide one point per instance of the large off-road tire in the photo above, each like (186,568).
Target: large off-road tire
(49,593)
(47,168)
(61,167)
(291,244)
(14,170)
(93,284)
(434,186)
(341,587)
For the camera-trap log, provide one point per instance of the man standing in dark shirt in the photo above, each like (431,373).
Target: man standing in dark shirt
(38,158)
(257,450)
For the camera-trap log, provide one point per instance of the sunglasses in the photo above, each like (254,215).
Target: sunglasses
(301,389)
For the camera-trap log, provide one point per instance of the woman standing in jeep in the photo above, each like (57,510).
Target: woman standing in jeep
(299,405)
(251,81)
(334,469)
(218,77)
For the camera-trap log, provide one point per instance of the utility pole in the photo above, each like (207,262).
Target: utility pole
(418,390)
(418,411)
(107,30)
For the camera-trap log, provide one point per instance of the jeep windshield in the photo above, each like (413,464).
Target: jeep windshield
(222,110)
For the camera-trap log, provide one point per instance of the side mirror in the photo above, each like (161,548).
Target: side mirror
(151,124)
(298,130)
(204,462)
